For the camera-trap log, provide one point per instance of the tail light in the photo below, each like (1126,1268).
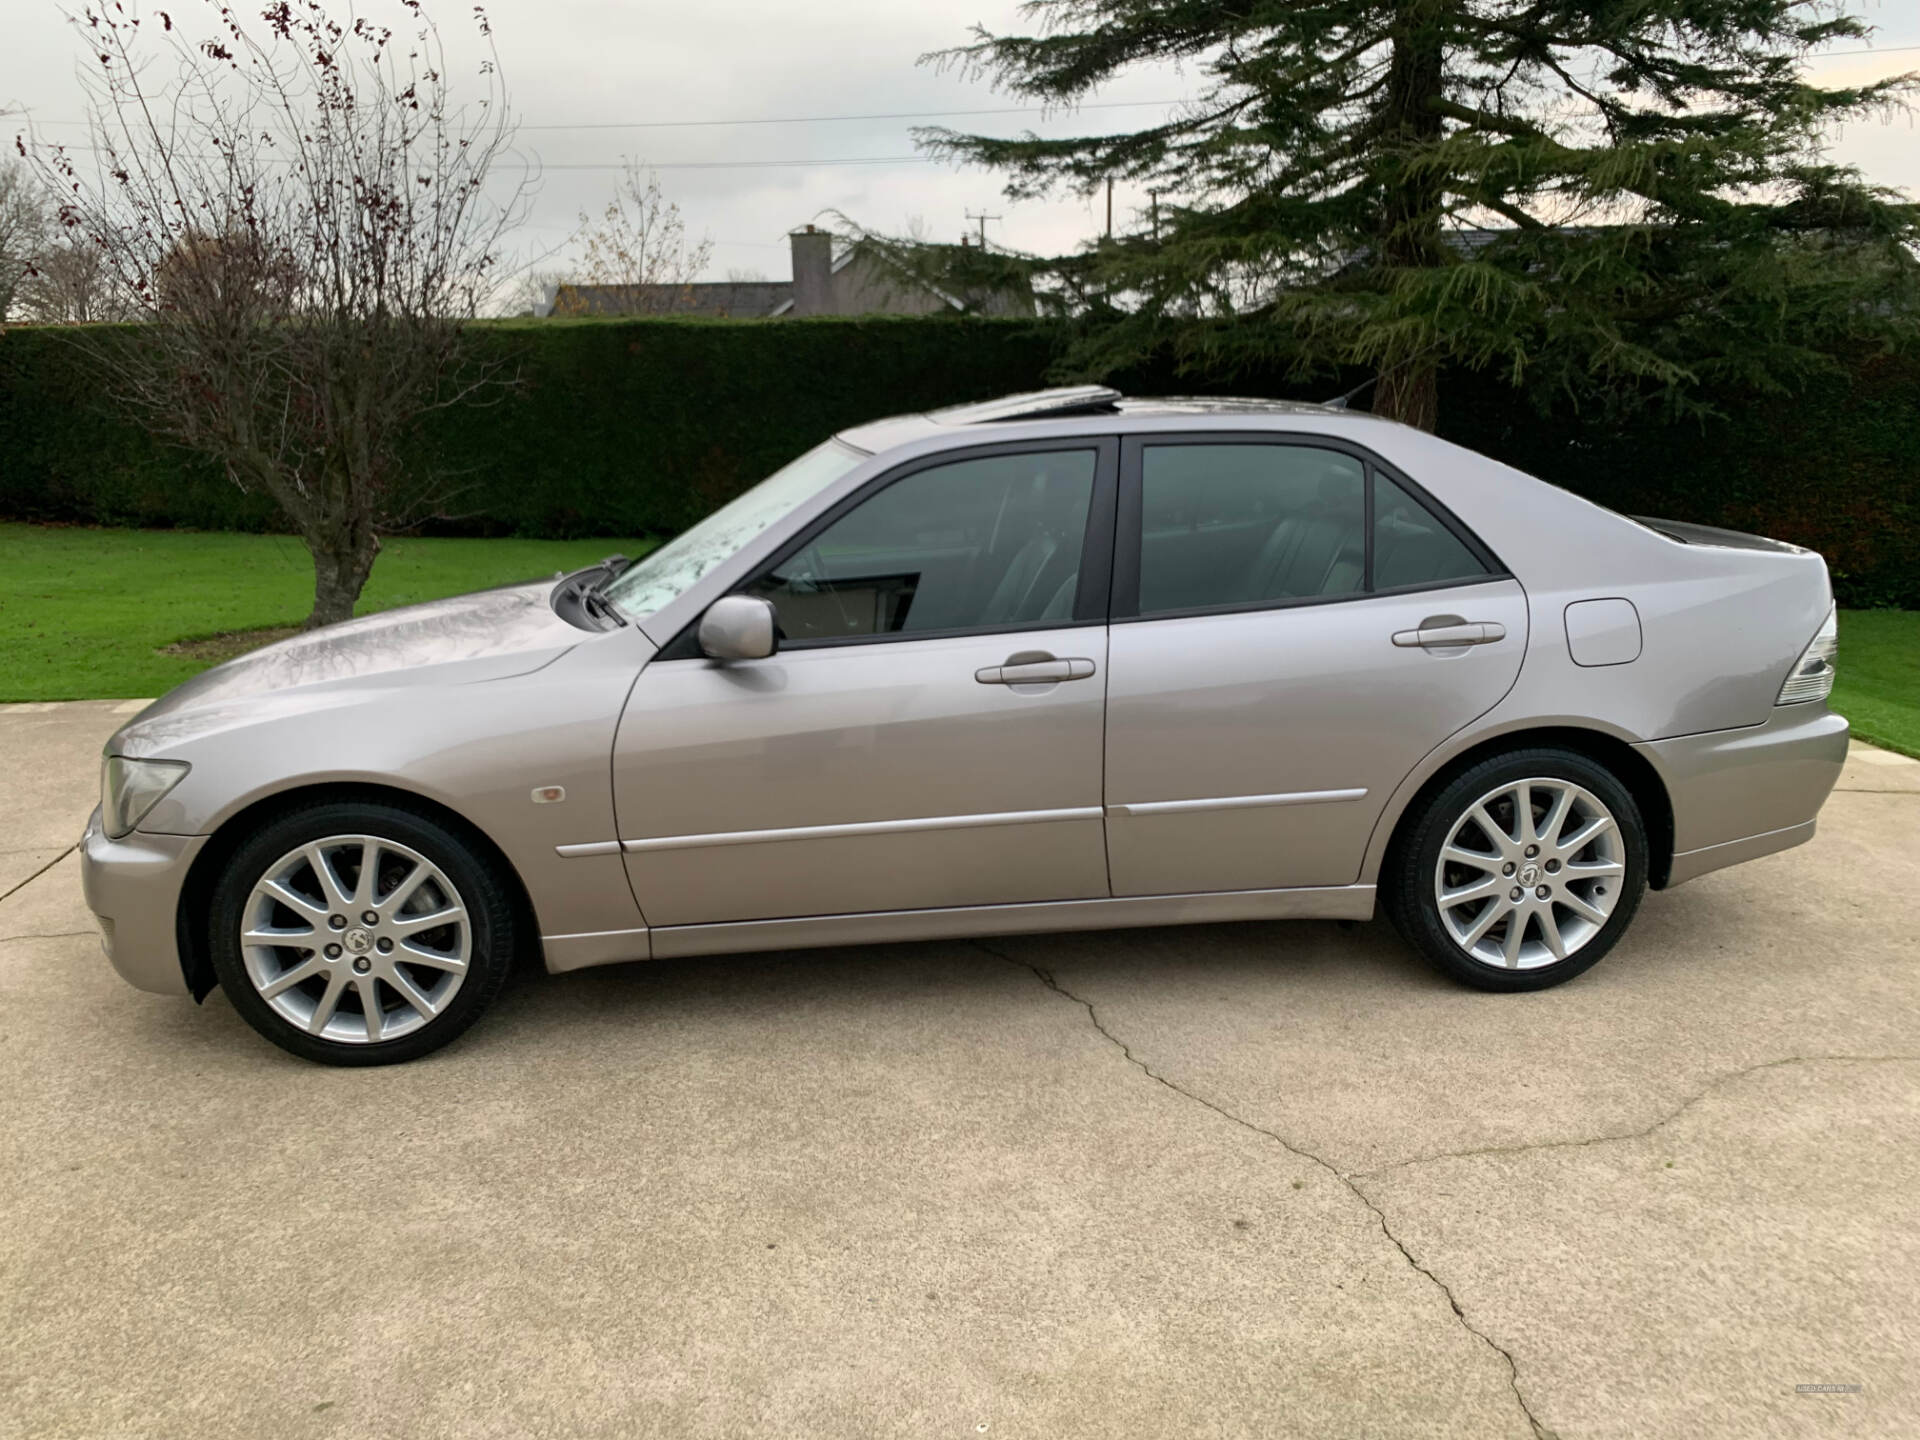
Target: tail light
(1812,675)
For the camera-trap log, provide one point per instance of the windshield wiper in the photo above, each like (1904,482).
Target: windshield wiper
(611,569)
(581,597)
(593,599)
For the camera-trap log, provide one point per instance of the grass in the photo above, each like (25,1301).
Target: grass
(85,613)
(1878,687)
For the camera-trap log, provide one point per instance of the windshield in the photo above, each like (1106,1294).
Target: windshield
(669,572)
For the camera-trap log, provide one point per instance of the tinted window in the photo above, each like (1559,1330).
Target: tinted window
(1411,546)
(1248,524)
(977,543)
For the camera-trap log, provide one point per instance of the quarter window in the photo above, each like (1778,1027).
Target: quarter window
(1411,546)
(976,544)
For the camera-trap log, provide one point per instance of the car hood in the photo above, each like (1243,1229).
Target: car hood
(484,636)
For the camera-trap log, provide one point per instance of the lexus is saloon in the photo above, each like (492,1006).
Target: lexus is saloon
(1056,662)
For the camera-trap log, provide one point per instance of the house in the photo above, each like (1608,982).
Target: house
(863,280)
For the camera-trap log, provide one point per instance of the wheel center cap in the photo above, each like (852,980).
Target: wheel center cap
(358,942)
(1527,876)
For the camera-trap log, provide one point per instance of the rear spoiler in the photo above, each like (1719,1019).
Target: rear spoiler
(1690,534)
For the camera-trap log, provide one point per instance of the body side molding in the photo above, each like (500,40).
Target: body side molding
(863,827)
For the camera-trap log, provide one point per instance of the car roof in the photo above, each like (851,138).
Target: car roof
(1083,409)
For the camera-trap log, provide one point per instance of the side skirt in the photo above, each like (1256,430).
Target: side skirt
(1333,902)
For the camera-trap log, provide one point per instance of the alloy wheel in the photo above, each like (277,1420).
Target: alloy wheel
(1530,873)
(355,939)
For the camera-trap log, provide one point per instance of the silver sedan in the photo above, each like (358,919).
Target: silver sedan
(1062,661)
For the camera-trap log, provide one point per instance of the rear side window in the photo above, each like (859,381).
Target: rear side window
(1225,526)
(1411,546)
(1249,525)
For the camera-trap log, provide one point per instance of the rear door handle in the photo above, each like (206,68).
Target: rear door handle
(1464,632)
(1022,671)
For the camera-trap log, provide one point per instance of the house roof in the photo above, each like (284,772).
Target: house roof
(718,299)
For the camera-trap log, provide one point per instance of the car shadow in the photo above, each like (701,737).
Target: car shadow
(1317,954)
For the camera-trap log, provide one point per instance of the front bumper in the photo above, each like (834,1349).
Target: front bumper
(133,886)
(1741,794)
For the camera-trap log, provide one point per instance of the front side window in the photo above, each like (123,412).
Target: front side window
(1249,525)
(975,544)
(669,572)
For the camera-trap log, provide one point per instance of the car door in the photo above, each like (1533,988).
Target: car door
(1294,627)
(928,733)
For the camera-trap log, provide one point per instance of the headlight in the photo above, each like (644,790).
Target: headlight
(130,788)
(1812,675)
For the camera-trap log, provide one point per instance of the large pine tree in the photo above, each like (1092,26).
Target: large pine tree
(1618,200)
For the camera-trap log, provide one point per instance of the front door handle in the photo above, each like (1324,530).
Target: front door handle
(1034,668)
(1453,632)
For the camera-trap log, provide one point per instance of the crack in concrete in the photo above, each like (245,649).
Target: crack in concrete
(56,935)
(1046,977)
(38,873)
(1674,1114)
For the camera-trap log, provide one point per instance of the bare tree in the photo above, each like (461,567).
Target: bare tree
(299,214)
(639,244)
(72,284)
(26,219)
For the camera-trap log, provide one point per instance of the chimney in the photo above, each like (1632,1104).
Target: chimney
(812,271)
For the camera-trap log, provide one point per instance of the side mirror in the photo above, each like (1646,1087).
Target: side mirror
(738,627)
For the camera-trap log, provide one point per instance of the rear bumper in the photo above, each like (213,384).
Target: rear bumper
(1741,794)
(133,886)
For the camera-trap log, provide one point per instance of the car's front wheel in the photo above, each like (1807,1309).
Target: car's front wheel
(1522,871)
(360,933)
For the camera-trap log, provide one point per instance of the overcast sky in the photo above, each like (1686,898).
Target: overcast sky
(635,63)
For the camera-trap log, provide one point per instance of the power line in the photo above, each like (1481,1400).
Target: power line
(803,119)
(828,119)
(801,162)
(1869,50)
(751,164)
(945,114)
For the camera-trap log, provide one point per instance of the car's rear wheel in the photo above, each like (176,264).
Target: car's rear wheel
(1522,871)
(360,934)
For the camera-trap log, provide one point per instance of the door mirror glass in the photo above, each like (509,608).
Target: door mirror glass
(738,627)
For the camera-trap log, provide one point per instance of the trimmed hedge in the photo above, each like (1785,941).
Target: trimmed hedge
(627,426)
(615,427)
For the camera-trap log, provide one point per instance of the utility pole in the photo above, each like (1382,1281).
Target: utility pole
(983,218)
(1154,195)
(1109,207)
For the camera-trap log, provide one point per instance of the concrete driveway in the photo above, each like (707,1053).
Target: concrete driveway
(1244,1180)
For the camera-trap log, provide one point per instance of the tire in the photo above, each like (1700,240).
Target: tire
(1573,907)
(428,982)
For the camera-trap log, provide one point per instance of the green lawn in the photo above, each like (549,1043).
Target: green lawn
(82,611)
(1878,688)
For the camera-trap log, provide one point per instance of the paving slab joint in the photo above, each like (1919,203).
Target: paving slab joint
(1046,977)
(16,889)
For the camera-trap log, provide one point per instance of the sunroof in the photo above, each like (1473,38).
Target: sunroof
(1034,405)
